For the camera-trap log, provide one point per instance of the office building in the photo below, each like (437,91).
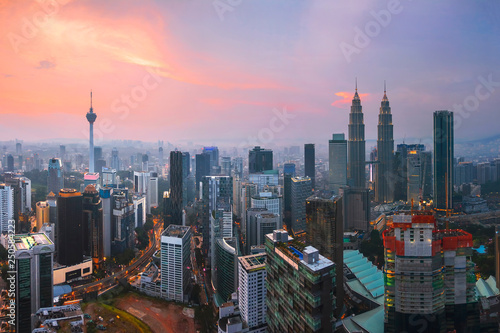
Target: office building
(260,159)
(300,286)
(356,145)
(142,186)
(93,226)
(62,152)
(252,291)
(176,186)
(310,162)
(429,277)
(42,214)
(356,208)
(213,152)
(21,186)
(384,180)
(123,223)
(418,175)
(6,207)
(69,227)
(268,200)
(325,232)
(106,194)
(153,191)
(55,178)
(260,222)
(34,278)
(139,202)
(337,153)
(265,178)
(226,269)
(237,167)
(443,159)
(202,169)
(109,177)
(301,189)
(10,163)
(175,262)
(115,159)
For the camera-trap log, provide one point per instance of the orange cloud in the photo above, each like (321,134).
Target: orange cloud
(346,99)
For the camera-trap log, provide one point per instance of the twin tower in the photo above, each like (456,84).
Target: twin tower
(384,174)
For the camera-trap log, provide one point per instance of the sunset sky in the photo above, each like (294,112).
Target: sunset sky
(213,71)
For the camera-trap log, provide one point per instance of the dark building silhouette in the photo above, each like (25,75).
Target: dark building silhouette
(69,227)
(55,176)
(167,209)
(325,232)
(356,144)
(260,159)
(443,159)
(93,242)
(385,178)
(176,186)
(310,162)
(202,169)
(10,163)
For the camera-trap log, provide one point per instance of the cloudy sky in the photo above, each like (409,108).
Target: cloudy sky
(227,71)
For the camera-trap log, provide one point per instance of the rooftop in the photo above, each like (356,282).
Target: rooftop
(28,241)
(369,281)
(323,195)
(174,230)
(253,262)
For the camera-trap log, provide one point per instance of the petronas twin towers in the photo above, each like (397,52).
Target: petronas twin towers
(384,182)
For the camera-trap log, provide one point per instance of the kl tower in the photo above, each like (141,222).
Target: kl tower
(91,116)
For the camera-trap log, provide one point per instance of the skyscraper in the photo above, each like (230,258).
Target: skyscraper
(186,171)
(34,277)
(301,189)
(93,226)
(356,144)
(384,182)
(300,285)
(175,262)
(6,207)
(10,163)
(325,232)
(443,159)
(91,117)
(42,214)
(55,176)
(115,160)
(310,162)
(430,283)
(213,152)
(252,291)
(176,186)
(356,208)
(260,159)
(202,169)
(337,151)
(226,268)
(69,227)
(106,194)
(288,174)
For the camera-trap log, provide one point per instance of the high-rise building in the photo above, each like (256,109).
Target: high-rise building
(226,166)
(238,167)
(106,194)
(252,291)
(430,283)
(325,232)
(21,186)
(10,163)
(176,186)
(356,208)
(260,159)
(123,223)
(109,177)
(288,174)
(98,158)
(443,159)
(270,201)
(42,214)
(115,159)
(153,191)
(260,222)
(202,169)
(356,145)
(91,117)
(497,255)
(300,286)
(213,152)
(186,171)
(301,189)
(93,226)
(34,278)
(226,269)
(160,156)
(418,173)
(265,178)
(310,162)
(337,151)
(69,227)
(384,181)
(62,152)
(175,262)
(6,207)
(139,202)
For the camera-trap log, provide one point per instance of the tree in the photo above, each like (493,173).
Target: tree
(3,253)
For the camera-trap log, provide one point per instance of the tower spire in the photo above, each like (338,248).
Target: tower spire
(356,84)
(384,88)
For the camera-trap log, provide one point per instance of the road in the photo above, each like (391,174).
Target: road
(130,270)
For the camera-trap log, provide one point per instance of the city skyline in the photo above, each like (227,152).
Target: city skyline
(240,74)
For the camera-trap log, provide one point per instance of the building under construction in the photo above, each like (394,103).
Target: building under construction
(429,277)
